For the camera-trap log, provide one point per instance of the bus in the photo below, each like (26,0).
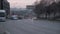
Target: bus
(2,15)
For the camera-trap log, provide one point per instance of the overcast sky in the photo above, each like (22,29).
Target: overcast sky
(20,3)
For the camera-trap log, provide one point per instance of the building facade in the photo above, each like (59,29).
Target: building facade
(30,7)
(4,5)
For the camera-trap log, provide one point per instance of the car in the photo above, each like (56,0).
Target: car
(14,17)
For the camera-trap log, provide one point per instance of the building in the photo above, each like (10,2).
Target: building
(30,9)
(30,6)
(4,5)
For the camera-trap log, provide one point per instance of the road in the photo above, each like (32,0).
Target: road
(29,26)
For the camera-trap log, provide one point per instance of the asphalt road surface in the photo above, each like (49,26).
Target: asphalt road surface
(29,26)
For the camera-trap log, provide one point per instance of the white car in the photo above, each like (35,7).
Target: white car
(14,17)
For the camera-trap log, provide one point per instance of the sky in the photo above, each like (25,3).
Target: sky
(20,3)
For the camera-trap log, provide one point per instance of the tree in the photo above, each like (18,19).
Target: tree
(39,9)
(58,5)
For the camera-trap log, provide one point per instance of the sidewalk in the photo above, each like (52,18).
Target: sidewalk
(1,28)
